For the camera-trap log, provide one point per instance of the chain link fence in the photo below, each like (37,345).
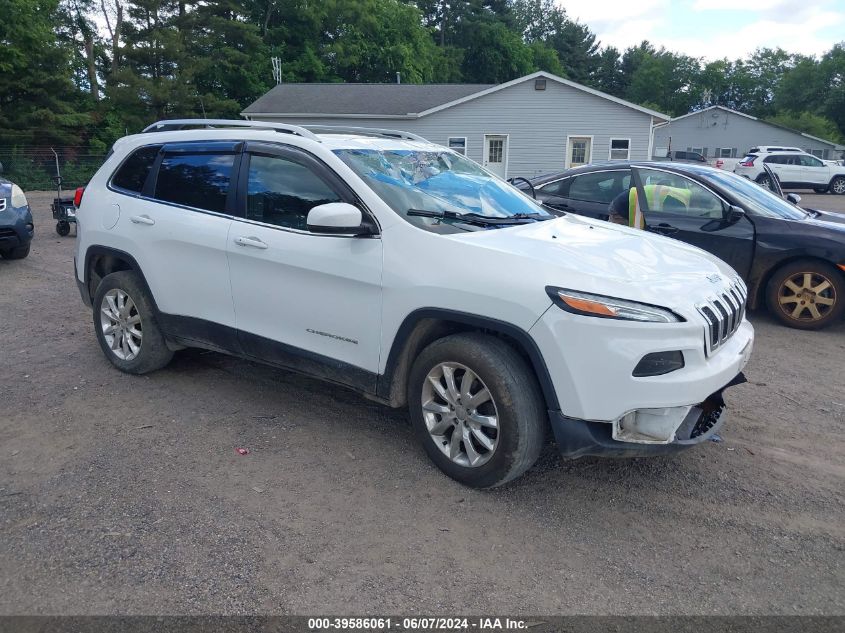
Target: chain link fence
(35,168)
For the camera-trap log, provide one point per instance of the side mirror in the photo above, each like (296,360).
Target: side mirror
(794,198)
(337,218)
(735,214)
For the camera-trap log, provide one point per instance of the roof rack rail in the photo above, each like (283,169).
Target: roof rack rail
(169,125)
(365,131)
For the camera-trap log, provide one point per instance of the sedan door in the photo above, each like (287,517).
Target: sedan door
(677,206)
(303,300)
(589,193)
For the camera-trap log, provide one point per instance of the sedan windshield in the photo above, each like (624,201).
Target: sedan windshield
(755,198)
(442,183)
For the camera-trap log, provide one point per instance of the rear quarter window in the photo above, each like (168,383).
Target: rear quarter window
(132,174)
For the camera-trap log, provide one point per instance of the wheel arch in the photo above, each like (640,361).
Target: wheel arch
(758,293)
(103,260)
(424,326)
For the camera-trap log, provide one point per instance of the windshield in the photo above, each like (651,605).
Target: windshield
(755,198)
(440,182)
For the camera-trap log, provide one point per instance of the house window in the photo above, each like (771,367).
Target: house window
(726,152)
(818,153)
(458,144)
(620,148)
(697,150)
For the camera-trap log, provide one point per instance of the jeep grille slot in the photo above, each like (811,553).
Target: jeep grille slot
(723,314)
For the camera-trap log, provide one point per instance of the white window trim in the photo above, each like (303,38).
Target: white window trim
(466,144)
(568,155)
(506,149)
(610,148)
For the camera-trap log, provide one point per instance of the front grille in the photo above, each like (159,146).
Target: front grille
(2,204)
(723,313)
(8,233)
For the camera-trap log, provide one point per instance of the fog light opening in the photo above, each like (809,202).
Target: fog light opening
(659,363)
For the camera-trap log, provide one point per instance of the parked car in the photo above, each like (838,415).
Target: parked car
(385,263)
(793,260)
(16,225)
(796,170)
(683,157)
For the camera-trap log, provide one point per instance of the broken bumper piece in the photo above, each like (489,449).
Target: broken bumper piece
(644,432)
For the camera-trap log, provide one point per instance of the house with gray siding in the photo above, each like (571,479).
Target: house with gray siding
(719,132)
(535,124)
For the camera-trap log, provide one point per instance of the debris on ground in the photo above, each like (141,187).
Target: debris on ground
(242,451)
(716,438)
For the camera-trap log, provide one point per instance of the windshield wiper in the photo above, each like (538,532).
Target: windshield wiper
(474,218)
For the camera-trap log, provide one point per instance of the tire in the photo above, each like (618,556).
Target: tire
(837,185)
(515,404)
(820,189)
(794,298)
(764,181)
(15,253)
(63,228)
(137,345)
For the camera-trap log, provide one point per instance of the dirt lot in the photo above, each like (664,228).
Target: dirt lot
(123,494)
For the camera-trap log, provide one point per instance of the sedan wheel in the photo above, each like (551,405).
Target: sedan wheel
(121,324)
(460,414)
(808,294)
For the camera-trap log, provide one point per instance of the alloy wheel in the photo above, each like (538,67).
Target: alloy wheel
(838,186)
(460,414)
(807,296)
(121,324)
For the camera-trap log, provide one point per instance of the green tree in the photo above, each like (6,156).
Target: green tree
(39,103)
(813,124)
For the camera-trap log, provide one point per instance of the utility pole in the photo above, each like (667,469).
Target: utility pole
(277,69)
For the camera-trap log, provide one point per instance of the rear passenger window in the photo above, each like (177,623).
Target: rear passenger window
(282,192)
(132,174)
(559,188)
(195,180)
(600,186)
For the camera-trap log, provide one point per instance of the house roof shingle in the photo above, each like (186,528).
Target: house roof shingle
(370,99)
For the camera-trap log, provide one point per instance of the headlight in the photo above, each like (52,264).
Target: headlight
(18,197)
(588,304)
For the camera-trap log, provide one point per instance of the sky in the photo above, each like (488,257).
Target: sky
(714,29)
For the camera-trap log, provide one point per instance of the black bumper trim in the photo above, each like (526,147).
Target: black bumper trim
(581,438)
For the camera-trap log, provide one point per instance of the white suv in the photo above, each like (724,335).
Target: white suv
(377,260)
(794,169)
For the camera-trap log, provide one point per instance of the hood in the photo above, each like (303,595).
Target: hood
(835,221)
(604,258)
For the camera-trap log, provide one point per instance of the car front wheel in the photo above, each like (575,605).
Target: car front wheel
(837,185)
(15,253)
(808,294)
(477,409)
(126,327)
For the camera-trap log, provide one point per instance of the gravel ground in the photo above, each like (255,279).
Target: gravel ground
(122,494)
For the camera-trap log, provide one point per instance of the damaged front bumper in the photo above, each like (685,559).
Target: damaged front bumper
(582,438)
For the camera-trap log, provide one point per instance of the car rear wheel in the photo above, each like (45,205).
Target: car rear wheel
(808,294)
(477,409)
(15,253)
(764,181)
(837,185)
(126,327)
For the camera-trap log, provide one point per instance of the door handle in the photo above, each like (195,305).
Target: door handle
(664,229)
(254,242)
(142,219)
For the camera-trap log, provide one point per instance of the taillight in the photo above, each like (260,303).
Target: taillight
(747,163)
(77,197)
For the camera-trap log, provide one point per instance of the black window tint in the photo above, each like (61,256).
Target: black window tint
(600,186)
(774,160)
(195,180)
(282,192)
(132,174)
(559,188)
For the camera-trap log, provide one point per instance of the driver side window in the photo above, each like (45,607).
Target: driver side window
(668,193)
